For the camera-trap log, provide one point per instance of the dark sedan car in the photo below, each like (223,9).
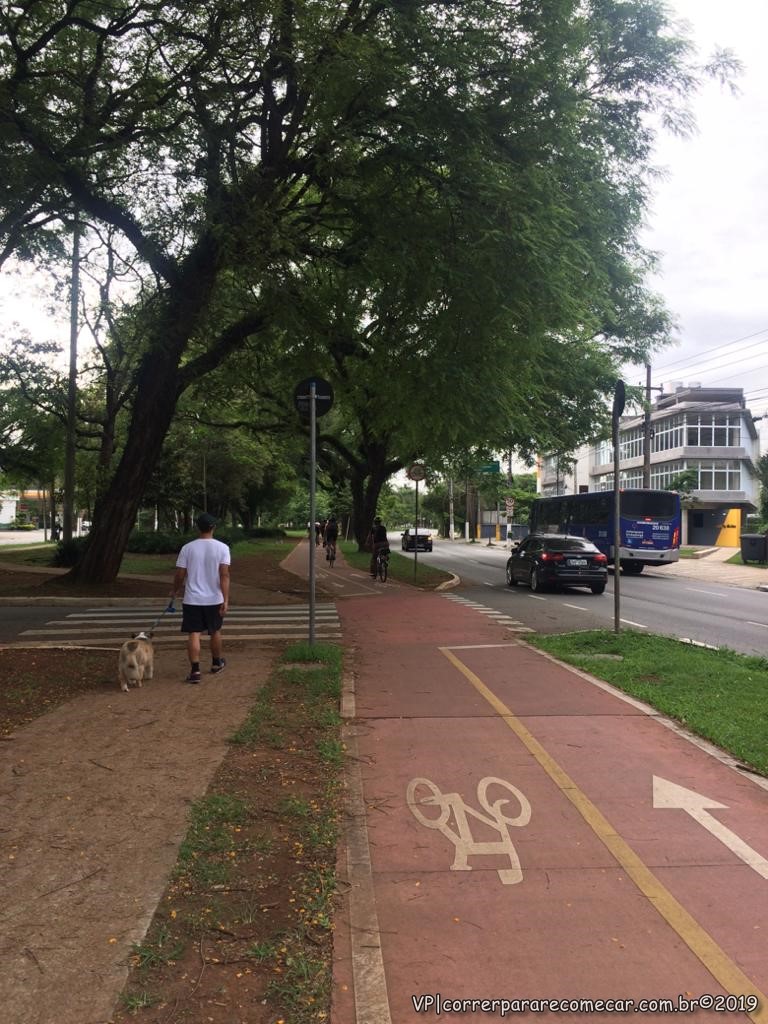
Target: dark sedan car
(544,560)
(420,539)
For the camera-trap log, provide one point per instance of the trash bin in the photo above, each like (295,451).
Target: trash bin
(754,547)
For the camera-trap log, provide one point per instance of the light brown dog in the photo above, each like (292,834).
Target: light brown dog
(136,661)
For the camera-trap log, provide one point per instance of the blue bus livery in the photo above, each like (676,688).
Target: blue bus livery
(649,523)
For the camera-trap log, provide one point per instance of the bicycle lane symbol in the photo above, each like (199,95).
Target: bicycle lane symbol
(461,836)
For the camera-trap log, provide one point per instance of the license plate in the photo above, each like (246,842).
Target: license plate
(577,561)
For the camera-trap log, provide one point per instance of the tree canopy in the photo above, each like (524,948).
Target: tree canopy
(471,174)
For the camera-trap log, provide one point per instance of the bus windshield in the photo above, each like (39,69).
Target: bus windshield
(656,504)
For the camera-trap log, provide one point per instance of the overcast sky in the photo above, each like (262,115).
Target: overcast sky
(710,216)
(708,220)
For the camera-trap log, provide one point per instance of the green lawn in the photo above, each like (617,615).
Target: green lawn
(400,566)
(138,564)
(720,695)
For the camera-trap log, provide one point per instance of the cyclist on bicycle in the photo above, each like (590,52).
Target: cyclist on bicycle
(377,540)
(331,535)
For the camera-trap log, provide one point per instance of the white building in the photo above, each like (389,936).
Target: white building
(708,430)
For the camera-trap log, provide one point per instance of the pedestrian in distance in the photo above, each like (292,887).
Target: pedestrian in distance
(377,541)
(330,536)
(202,570)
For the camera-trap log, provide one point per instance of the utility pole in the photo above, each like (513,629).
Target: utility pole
(647,430)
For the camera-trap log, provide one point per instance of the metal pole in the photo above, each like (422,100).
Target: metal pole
(616,529)
(416,534)
(450,508)
(467,513)
(647,430)
(69,523)
(312,536)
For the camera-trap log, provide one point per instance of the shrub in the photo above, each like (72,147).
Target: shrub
(69,552)
(148,542)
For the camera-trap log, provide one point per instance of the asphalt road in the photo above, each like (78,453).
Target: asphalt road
(709,613)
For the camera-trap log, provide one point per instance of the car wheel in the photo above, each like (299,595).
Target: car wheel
(598,588)
(511,581)
(535,579)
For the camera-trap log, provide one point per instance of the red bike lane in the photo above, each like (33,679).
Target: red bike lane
(504,843)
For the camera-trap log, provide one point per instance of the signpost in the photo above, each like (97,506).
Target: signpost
(312,397)
(619,399)
(416,472)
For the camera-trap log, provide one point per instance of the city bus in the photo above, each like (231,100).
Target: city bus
(649,523)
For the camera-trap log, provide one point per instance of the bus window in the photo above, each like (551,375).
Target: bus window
(656,504)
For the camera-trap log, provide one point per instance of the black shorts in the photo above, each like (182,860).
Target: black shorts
(201,618)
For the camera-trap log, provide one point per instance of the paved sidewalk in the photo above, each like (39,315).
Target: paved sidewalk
(515,832)
(714,568)
(94,801)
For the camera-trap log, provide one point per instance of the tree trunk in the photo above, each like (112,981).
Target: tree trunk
(366,484)
(115,510)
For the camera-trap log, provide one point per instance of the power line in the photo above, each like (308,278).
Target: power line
(714,348)
(703,372)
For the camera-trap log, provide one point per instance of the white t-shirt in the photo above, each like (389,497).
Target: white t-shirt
(202,558)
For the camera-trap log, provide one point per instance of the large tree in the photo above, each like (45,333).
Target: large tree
(224,144)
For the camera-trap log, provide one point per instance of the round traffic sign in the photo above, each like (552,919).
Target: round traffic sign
(417,471)
(302,396)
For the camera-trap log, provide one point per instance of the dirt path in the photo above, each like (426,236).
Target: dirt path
(93,804)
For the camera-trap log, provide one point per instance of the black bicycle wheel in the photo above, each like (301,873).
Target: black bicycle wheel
(332,556)
(383,567)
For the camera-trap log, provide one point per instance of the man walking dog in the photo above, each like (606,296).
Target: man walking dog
(202,569)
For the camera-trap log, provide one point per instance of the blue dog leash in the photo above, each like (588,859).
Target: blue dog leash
(162,614)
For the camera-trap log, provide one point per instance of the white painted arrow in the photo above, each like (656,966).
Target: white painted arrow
(669,795)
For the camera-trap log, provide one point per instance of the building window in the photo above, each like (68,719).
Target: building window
(705,430)
(718,475)
(627,478)
(603,453)
(631,444)
(667,433)
(663,474)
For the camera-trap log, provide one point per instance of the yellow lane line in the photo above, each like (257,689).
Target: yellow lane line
(718,963)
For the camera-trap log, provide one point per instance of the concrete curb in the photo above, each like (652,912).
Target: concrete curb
(454,581)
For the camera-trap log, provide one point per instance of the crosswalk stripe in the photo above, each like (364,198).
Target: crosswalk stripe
(512,625)
(257,622)
(117,641)
(289,612)
(91,630)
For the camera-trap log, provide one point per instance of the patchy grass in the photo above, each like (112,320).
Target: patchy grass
(718,694)
(426,576)
(738,560)
(248,917)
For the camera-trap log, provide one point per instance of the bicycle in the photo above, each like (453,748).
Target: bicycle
(382,565)
(330,552)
